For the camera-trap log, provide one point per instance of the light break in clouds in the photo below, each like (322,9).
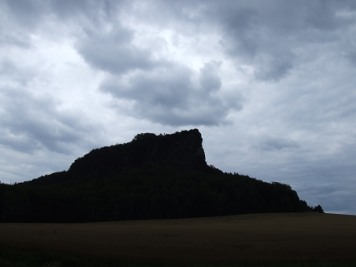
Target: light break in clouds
(270,84)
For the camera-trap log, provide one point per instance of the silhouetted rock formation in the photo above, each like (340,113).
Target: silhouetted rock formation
(183,150)
(164,176)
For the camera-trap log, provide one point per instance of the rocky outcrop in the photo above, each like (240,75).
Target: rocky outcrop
(179,150)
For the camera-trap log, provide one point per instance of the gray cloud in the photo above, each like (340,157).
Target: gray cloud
(273,67)
(209,78)
(31,13)
(26,13)
(351,57)
(269,83)
(169,95)
(277,143)
(30,123)
(269,35)
(96,10)
(114,52)
(251,39)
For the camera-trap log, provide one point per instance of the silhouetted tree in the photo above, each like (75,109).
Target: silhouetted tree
(319,209)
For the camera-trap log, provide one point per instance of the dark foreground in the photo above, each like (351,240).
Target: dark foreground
(299,239)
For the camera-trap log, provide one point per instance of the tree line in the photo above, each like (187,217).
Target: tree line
(151,177)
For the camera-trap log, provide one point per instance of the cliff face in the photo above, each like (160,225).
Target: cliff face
(180,150)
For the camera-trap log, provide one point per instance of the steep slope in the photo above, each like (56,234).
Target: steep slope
(164,176)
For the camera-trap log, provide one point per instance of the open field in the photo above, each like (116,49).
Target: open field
(259,239)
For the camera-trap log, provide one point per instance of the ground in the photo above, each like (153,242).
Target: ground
(267,239)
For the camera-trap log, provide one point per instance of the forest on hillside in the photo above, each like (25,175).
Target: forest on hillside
(163,176)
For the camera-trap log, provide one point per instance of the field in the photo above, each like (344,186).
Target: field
(299,239)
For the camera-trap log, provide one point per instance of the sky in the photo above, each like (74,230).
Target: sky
(271,85)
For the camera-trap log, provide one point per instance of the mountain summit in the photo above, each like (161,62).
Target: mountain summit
(180,150)
(153,176)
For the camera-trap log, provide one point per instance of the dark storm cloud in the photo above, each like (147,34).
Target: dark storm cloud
(268,34)
(170,95)
(249,38)
(162,90)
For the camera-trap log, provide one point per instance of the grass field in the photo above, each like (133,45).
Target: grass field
(299,239)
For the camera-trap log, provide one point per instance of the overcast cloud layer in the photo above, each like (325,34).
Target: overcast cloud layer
(270,84)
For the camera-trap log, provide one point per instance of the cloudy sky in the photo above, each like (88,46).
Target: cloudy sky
(270,84)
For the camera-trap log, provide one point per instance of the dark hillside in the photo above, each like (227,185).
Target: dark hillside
(183,150)
(164,176)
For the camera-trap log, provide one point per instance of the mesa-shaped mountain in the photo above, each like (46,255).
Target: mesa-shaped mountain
(182,150)
(153,176)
